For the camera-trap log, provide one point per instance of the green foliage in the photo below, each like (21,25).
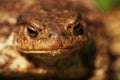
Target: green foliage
(106,4)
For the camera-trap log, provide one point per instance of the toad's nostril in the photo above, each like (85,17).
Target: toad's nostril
(57,35)
(64,35)
(50,35)
(53,35)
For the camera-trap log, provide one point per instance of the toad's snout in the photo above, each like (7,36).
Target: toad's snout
(46,34)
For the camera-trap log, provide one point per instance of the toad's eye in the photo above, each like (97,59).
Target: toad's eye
(78,30)
(32,32)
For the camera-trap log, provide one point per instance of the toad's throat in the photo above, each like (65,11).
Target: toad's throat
(50,52)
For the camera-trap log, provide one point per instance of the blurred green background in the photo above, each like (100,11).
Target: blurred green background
(105,5)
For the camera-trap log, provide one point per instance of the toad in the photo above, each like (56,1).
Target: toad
(55,36)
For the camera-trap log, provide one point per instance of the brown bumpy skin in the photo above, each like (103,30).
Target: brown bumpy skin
(43,31)
(59,34)
(53,39)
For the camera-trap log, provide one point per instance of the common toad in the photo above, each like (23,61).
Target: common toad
(54,35)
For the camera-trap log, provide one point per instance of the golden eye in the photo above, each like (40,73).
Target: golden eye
(32,32)
(78,30)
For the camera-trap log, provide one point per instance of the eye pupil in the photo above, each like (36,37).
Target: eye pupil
(32,32)
(78,30)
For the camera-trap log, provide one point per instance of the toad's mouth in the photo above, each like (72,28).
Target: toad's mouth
(50,52)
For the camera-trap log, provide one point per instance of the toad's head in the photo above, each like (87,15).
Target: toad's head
(50,31)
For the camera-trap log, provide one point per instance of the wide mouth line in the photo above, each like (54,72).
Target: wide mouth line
(50,52)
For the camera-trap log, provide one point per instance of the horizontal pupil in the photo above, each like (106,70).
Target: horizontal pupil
(78,30)
(32,32)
